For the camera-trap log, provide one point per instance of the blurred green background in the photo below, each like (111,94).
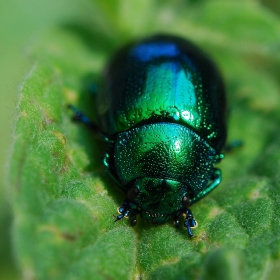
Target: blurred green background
(21,24)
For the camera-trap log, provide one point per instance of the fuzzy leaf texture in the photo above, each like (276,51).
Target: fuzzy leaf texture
(63,200)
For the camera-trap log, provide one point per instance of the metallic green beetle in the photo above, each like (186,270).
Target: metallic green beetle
(161,109)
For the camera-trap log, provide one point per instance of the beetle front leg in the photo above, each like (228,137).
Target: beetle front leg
(190,222)
(80,117)
(128,210)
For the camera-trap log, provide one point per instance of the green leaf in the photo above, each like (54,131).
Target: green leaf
(64,202)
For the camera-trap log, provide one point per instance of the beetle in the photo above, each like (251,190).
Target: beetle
(161,109)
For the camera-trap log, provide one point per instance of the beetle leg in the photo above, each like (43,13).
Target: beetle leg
(216,179)
(128,209)
(80,117)
(190,222)
(107,164)
(123,210)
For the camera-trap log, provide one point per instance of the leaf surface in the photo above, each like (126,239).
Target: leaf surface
(63,200)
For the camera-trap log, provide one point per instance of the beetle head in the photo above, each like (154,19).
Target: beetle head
(158,198)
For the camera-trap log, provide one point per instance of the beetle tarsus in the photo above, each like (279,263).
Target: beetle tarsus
(128,210)
(122,215)
(190,222)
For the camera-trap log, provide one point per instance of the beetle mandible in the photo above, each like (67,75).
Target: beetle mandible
(161,108)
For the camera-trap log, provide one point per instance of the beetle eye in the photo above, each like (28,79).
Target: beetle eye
(185,202)
(132,193)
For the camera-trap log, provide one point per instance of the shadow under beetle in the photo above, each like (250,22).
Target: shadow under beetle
(161,109)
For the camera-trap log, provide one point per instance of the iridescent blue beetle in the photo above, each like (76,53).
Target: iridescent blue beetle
(161,109)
